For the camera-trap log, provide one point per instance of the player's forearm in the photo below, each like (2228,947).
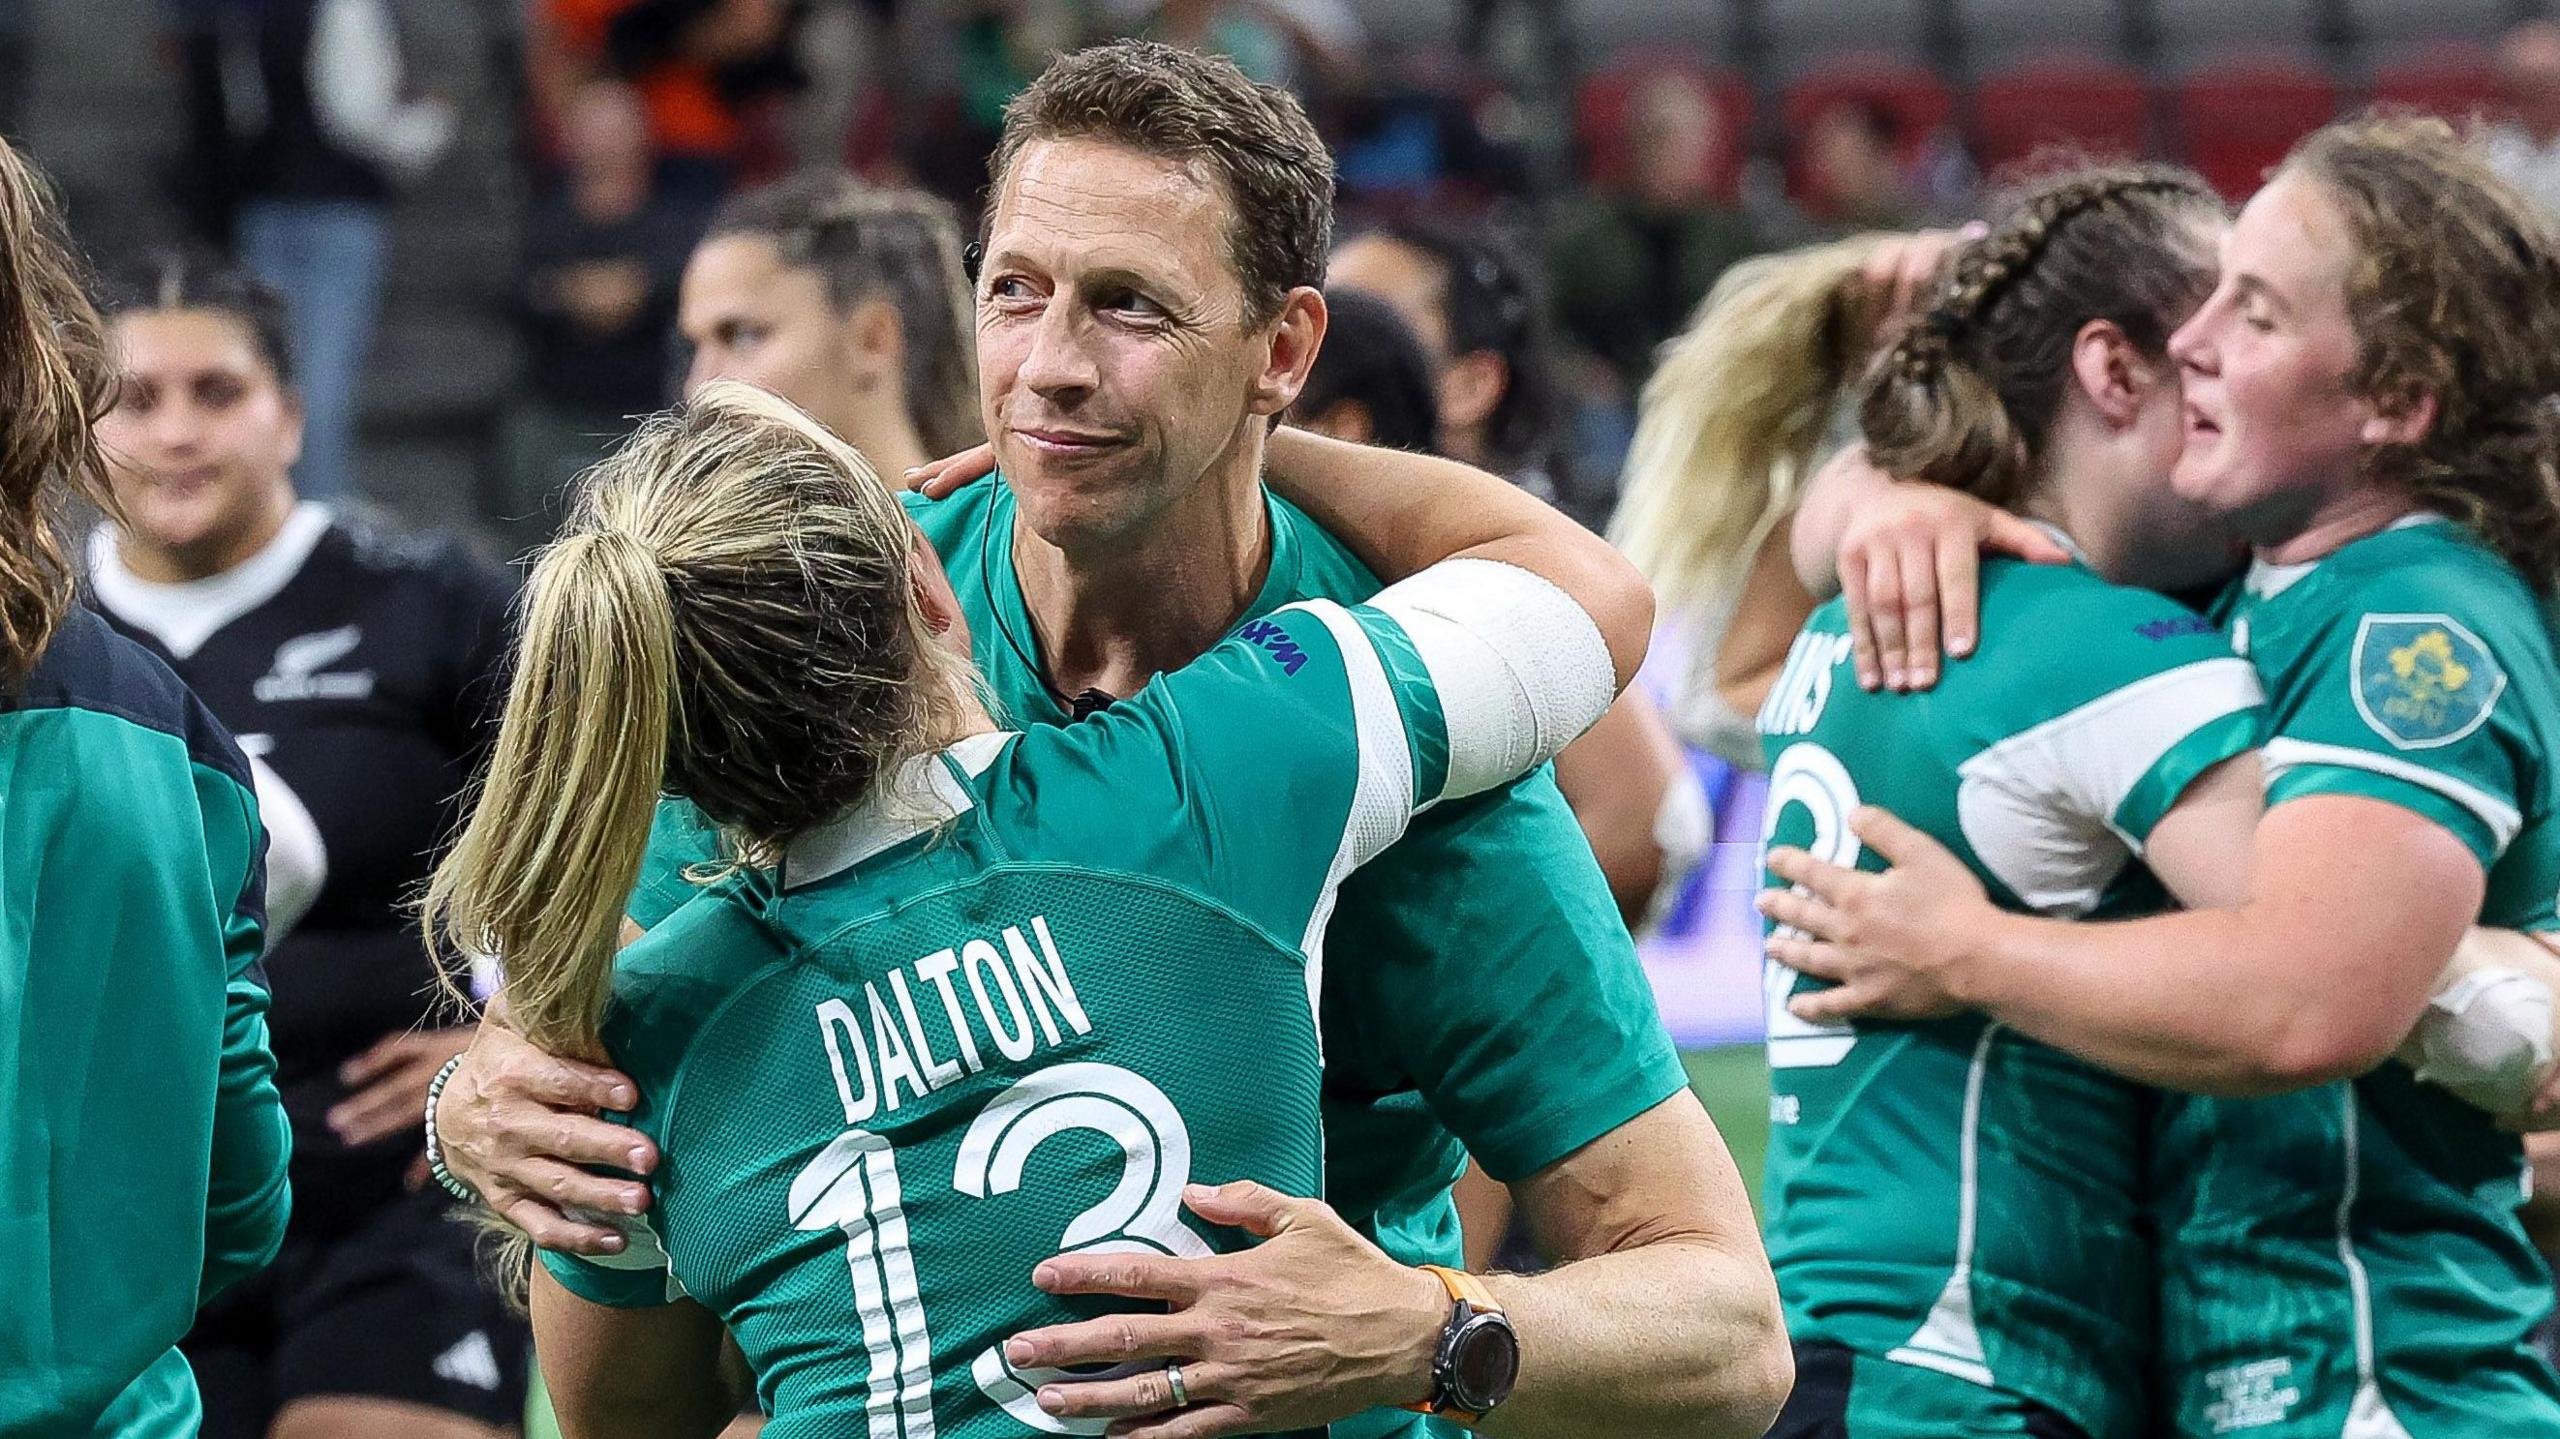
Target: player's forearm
(1403,513)
(1679,1338)
(2211,1002)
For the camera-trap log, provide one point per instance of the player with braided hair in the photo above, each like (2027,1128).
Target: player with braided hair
(2368,401)
(1946,1269)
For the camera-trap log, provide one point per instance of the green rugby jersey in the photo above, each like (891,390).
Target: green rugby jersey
(142,1145)
(1011,1009)
(1954,1196)
(2347,1260)
(1486,998)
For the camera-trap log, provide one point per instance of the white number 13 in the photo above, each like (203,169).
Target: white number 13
(853,1185)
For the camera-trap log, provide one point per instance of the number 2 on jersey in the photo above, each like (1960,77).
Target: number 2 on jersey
(1811,779)
(853,1185)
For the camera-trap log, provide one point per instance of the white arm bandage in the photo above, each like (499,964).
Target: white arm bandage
(1520,669)
(2486,1037)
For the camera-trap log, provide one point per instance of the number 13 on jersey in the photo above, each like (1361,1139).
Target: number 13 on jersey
(853,1185)
(1809,782)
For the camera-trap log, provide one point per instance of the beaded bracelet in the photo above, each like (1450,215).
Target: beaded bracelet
(435,1151)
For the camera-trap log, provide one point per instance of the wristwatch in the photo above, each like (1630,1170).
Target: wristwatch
(1479,1355)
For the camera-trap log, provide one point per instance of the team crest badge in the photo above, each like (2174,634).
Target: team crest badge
(2423,680)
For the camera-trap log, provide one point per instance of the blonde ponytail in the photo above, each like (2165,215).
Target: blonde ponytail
(731,616)
(541,874)
(1728,427)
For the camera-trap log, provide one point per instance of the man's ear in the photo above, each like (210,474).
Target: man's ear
(1296,334)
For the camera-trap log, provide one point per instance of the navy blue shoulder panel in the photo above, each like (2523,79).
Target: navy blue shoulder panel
(91,667)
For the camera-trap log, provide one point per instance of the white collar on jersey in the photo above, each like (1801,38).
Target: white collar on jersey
(183,616)
(921,794)
(2266,581)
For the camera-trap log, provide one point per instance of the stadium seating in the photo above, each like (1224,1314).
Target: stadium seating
(2234,120)
(2452,80)
(2000,35)
(2089,104)
(1917,101)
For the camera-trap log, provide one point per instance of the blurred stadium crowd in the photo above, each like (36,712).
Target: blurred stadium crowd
(484,206)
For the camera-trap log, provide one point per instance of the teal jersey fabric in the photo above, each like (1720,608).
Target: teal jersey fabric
(1010,1008)
(142,1158)
(1952,1196)
(1486,998)
(2354,1249)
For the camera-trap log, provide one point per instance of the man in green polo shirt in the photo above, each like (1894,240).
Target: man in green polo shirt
(1146,302)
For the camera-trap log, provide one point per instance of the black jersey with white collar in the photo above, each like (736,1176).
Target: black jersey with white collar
(362,667)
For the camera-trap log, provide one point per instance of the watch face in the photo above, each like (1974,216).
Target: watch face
(1483,1362)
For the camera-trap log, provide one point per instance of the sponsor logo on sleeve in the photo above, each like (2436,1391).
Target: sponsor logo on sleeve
(1268,636)
(2423,681)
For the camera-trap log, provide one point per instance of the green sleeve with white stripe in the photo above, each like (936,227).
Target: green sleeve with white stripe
(2406,703)
(1273,765)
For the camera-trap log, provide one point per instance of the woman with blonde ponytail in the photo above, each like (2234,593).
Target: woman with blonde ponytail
(1743,407)
(962,998)
(142,1146)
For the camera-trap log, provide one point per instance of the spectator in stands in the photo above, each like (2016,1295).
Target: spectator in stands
(701,66)
(850,303)
(1476,302)
(336,131)
(604,248)
(1847,175)
(363,669)
(2525,146)
(1629,266)
(1289,43)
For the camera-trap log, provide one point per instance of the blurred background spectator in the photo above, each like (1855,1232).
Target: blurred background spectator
(2525,145)
(605,241)
(1373,383)
(317,123)
(1632,257)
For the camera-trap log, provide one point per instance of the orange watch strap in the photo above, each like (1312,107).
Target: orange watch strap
(1464,1286)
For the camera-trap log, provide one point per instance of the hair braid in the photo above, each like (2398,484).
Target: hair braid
(1965,397)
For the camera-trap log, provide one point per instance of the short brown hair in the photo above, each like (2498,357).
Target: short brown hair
(1254,141)
(2454,292)
(1968,396)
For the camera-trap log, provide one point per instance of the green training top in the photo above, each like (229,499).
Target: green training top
(1009,1009)
(142,1145)
(1954,1196)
